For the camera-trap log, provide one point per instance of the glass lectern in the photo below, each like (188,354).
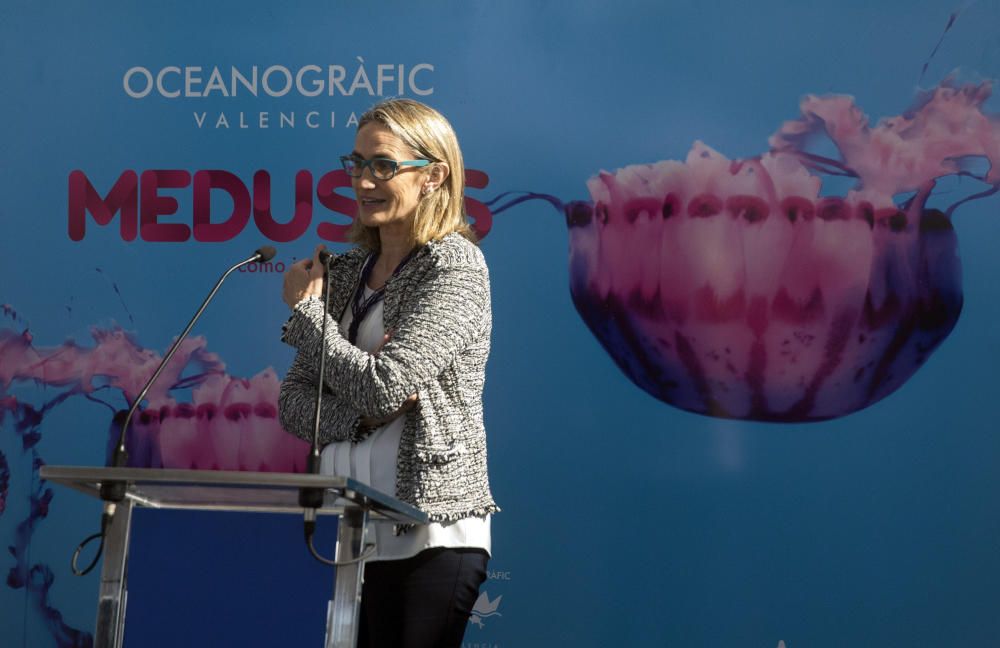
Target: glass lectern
(205,490)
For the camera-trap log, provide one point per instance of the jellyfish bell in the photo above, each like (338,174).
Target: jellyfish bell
(810,320)
(264,445)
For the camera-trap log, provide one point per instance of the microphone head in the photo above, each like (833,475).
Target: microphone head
(325,256)
(266,253)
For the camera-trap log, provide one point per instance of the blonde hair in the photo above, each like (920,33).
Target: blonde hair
(426,131)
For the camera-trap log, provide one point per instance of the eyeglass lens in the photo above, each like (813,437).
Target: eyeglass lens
(382,168)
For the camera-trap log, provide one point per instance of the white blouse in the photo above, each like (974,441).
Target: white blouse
(373,462)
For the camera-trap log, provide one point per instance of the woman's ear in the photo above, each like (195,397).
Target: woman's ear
(436,176)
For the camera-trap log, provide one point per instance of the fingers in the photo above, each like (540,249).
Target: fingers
(300,283)
(316,267)
(385,340)
(409,403)
(370,422)
(292,286)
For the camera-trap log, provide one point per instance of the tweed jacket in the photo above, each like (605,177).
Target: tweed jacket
(438,314)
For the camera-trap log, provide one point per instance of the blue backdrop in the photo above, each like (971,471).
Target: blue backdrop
(625,521)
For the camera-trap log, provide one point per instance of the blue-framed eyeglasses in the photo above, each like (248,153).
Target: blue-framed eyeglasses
(380,167)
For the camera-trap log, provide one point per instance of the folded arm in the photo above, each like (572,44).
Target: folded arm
(447,310)
(297,406)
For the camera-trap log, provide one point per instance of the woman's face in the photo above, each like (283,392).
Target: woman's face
(390,203)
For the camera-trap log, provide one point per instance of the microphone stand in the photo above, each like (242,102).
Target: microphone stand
(112,492)
(311,498)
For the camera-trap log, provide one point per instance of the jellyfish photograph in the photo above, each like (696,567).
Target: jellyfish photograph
(742,289)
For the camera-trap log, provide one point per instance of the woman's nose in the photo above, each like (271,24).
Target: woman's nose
(365,181)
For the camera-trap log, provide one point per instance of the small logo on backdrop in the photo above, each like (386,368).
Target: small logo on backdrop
(484,609)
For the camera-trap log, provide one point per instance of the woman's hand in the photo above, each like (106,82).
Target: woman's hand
(304,279)
(370,423)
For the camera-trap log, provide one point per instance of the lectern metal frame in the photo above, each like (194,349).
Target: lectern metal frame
(215,490)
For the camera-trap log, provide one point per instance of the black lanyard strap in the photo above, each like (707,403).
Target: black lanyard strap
(361,305)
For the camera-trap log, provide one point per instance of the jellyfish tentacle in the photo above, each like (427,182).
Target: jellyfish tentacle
(983,194)
(523,197)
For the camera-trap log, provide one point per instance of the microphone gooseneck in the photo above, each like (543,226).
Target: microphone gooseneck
(113,491)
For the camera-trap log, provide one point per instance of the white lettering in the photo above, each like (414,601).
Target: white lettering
(284,72)
(413,84)
(309,121)
(384,74)
(361,79)
(287,118)
(222,122)
(317,84)
(215,83)
(126,81)
(263,119)
(250,84)
(200,121)
(279,80)
(337,74)
(159,81)
(190,79)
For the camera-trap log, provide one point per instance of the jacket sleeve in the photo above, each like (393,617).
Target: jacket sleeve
(446,310)
(297,406)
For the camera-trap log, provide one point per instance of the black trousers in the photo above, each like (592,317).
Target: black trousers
(420,602)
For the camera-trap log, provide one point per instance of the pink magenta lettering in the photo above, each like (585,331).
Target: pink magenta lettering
(207,231)
(153,205)
(272,229)
(142,208)
(83,198)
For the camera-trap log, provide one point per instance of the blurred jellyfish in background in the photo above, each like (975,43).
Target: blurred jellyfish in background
(231,423)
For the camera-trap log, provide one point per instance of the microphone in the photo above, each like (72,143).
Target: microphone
(112,492)
(325,256)
(264,254)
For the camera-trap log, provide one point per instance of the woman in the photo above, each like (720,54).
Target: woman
(406,367)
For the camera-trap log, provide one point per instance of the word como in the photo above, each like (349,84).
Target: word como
(262,267)
(143,210)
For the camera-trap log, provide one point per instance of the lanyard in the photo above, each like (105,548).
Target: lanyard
(360,305)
